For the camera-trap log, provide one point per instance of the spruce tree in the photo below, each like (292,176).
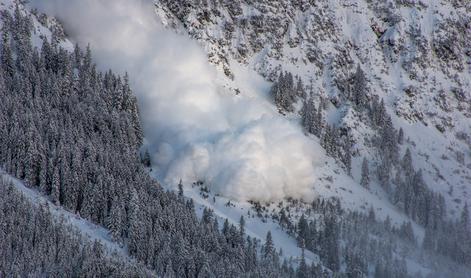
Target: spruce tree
(359,90)
(365,174)
(400,136)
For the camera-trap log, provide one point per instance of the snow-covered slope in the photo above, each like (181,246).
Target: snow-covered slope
(86,228)
(415,57)
(414,54)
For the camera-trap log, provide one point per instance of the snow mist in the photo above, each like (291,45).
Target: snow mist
(238,145)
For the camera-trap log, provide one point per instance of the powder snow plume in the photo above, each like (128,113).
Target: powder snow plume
(240,146)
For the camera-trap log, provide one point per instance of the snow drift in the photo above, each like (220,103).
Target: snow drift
(195,130)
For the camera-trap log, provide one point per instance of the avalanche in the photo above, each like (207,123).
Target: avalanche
(195,128)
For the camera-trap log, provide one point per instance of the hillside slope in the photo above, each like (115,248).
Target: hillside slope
(320,134)
(409,60)
(414,56)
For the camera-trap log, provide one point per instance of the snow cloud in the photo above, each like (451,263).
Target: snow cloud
(239,145)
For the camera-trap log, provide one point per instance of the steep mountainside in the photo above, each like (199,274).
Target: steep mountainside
(383,86)
(414,55)
(332,140)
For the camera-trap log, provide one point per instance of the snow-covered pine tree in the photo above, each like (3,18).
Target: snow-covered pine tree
(359,90)
(365,174)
